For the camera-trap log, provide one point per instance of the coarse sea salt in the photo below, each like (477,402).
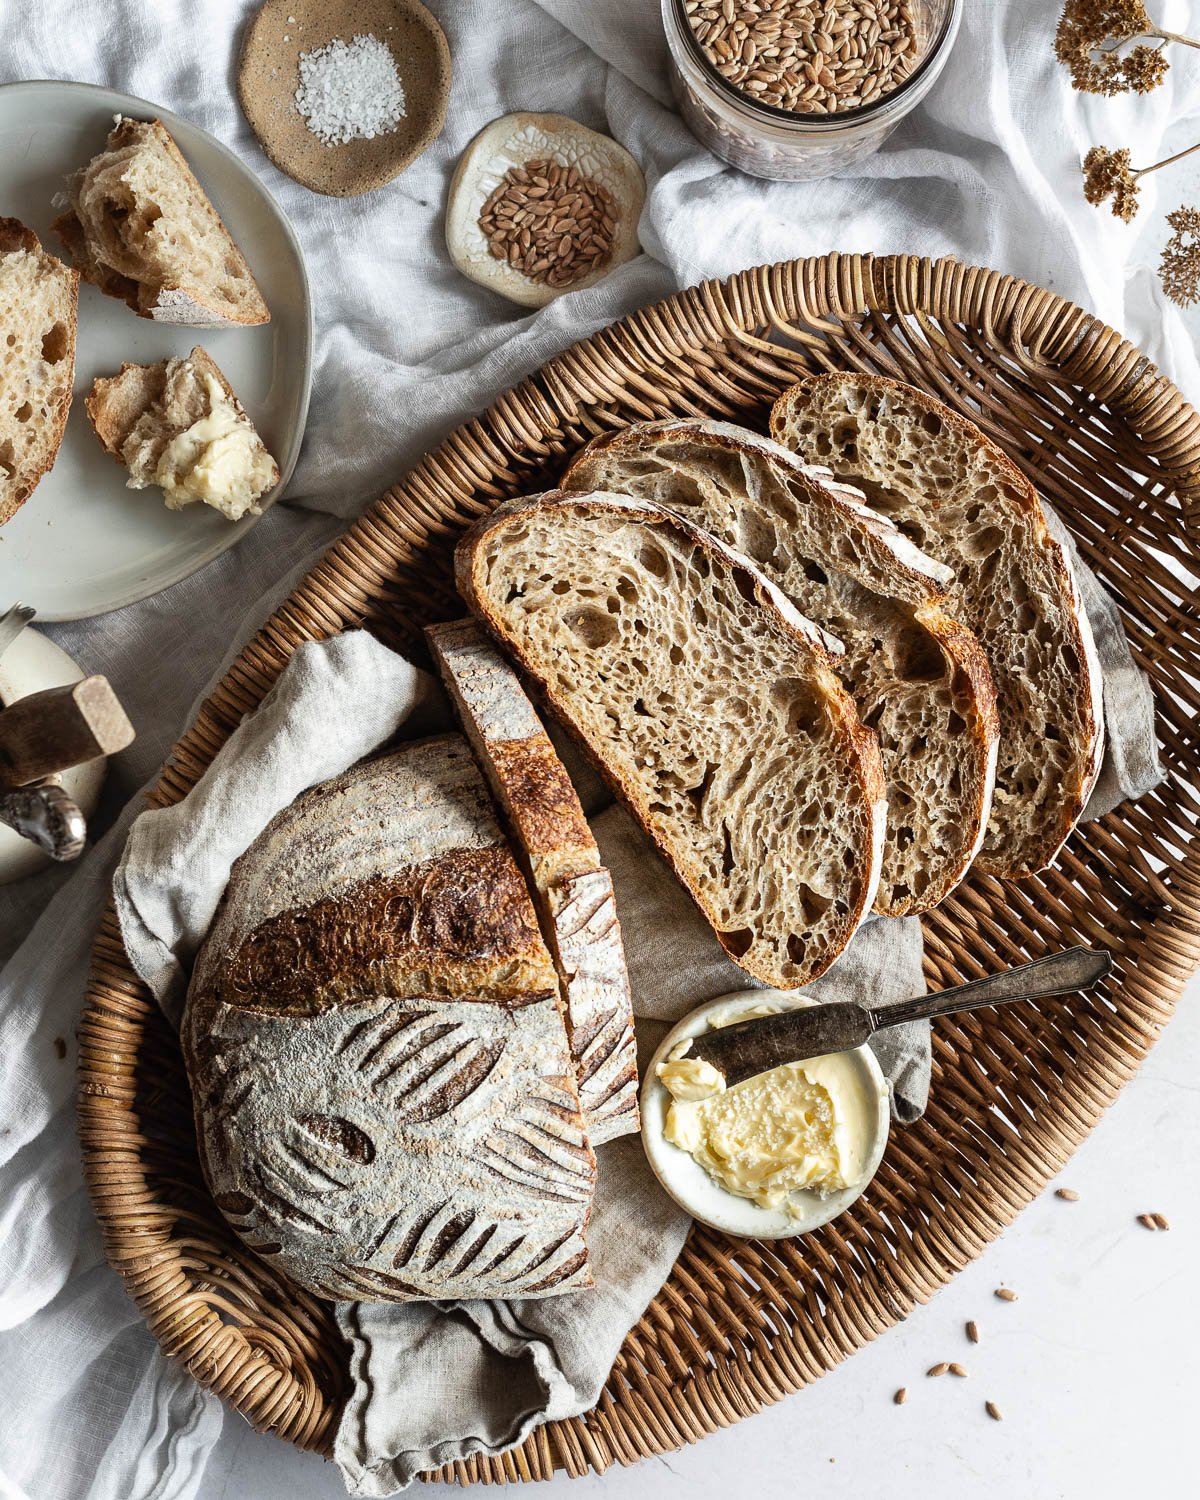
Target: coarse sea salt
(350,90)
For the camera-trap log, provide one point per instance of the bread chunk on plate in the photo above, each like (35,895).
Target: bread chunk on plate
(385,1100)
(709,702)
(38,311)
(572,889)
(918,677)
(141,228)
(177,424)
(955,495)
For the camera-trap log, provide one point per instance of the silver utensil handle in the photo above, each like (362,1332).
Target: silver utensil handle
(47,816)
(1058,974)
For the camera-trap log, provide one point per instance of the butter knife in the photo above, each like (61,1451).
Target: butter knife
(749,1047)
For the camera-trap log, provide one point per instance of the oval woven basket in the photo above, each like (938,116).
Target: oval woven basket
(739,1324)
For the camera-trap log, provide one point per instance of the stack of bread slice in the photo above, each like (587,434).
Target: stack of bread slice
(829,672)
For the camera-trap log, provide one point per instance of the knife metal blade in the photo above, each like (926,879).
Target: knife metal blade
(12,622)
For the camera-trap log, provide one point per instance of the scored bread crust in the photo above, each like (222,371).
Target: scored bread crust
(861,782)
(572,888)
(384,1096)
(1012,848)
(132,274)
(43,381)
(917,676)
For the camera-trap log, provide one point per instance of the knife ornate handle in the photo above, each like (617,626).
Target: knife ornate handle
(1058,974)
(48,817)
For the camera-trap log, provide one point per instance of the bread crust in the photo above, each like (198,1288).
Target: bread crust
(1088,695)
(16,486)
(859,743)
(893,568)
(384,1097)
(572,889)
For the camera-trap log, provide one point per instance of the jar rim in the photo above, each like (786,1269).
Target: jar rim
(776,115)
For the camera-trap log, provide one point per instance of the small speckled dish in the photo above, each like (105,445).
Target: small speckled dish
(691,1186)
(269,75)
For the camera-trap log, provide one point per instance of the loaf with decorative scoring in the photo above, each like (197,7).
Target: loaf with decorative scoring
(571,887)
(385,1099)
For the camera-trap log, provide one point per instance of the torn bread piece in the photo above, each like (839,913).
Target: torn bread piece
(712,706)
(141,228)
(178,425)
(572,889)
(38,313)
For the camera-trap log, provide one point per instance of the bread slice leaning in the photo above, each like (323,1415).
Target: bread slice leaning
(384,1096)
(918,678)
(955,495)
(141,228)
(572,889)
(141,411)
(710,704)
(38,314)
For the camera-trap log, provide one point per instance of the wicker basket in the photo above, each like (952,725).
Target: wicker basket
(739,1324)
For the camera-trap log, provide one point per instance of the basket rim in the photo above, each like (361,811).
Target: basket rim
(544,414)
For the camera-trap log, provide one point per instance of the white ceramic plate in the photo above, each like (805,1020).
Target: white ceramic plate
(691,1186)
(83,543)
(31,664)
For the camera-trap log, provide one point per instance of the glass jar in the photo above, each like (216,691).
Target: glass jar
(768,141)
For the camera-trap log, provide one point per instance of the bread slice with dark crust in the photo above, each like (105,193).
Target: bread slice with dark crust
(918,678)
(711,705)
(960,499)
(385,1100)
(38,315)
(142,229)
(572,889)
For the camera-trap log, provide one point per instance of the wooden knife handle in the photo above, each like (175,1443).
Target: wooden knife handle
(60,727)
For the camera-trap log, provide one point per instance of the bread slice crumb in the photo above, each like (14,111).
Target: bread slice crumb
(178,425)
(38,312)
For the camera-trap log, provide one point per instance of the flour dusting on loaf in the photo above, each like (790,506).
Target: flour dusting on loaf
(385,1100)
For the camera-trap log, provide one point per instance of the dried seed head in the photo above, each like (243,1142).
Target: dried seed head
(1006,1294)
(1108,174)
(1090,39)
(1180,263)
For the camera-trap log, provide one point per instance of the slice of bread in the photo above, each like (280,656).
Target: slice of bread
(143,410)
(38,313)
(141,228)
(572,889)
(918,678)
(710,704)
(955,495)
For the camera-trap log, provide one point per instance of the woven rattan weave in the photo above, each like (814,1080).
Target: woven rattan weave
(1117,450)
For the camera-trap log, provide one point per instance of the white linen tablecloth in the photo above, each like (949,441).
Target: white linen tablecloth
(406,349)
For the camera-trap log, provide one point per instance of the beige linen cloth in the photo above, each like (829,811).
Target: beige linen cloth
(436,1382)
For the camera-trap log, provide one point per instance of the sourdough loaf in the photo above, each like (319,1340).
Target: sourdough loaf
(38,306)
(572,889)
(918,678)
(385,1100)
(711,705)
(955,495)
(141,228)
